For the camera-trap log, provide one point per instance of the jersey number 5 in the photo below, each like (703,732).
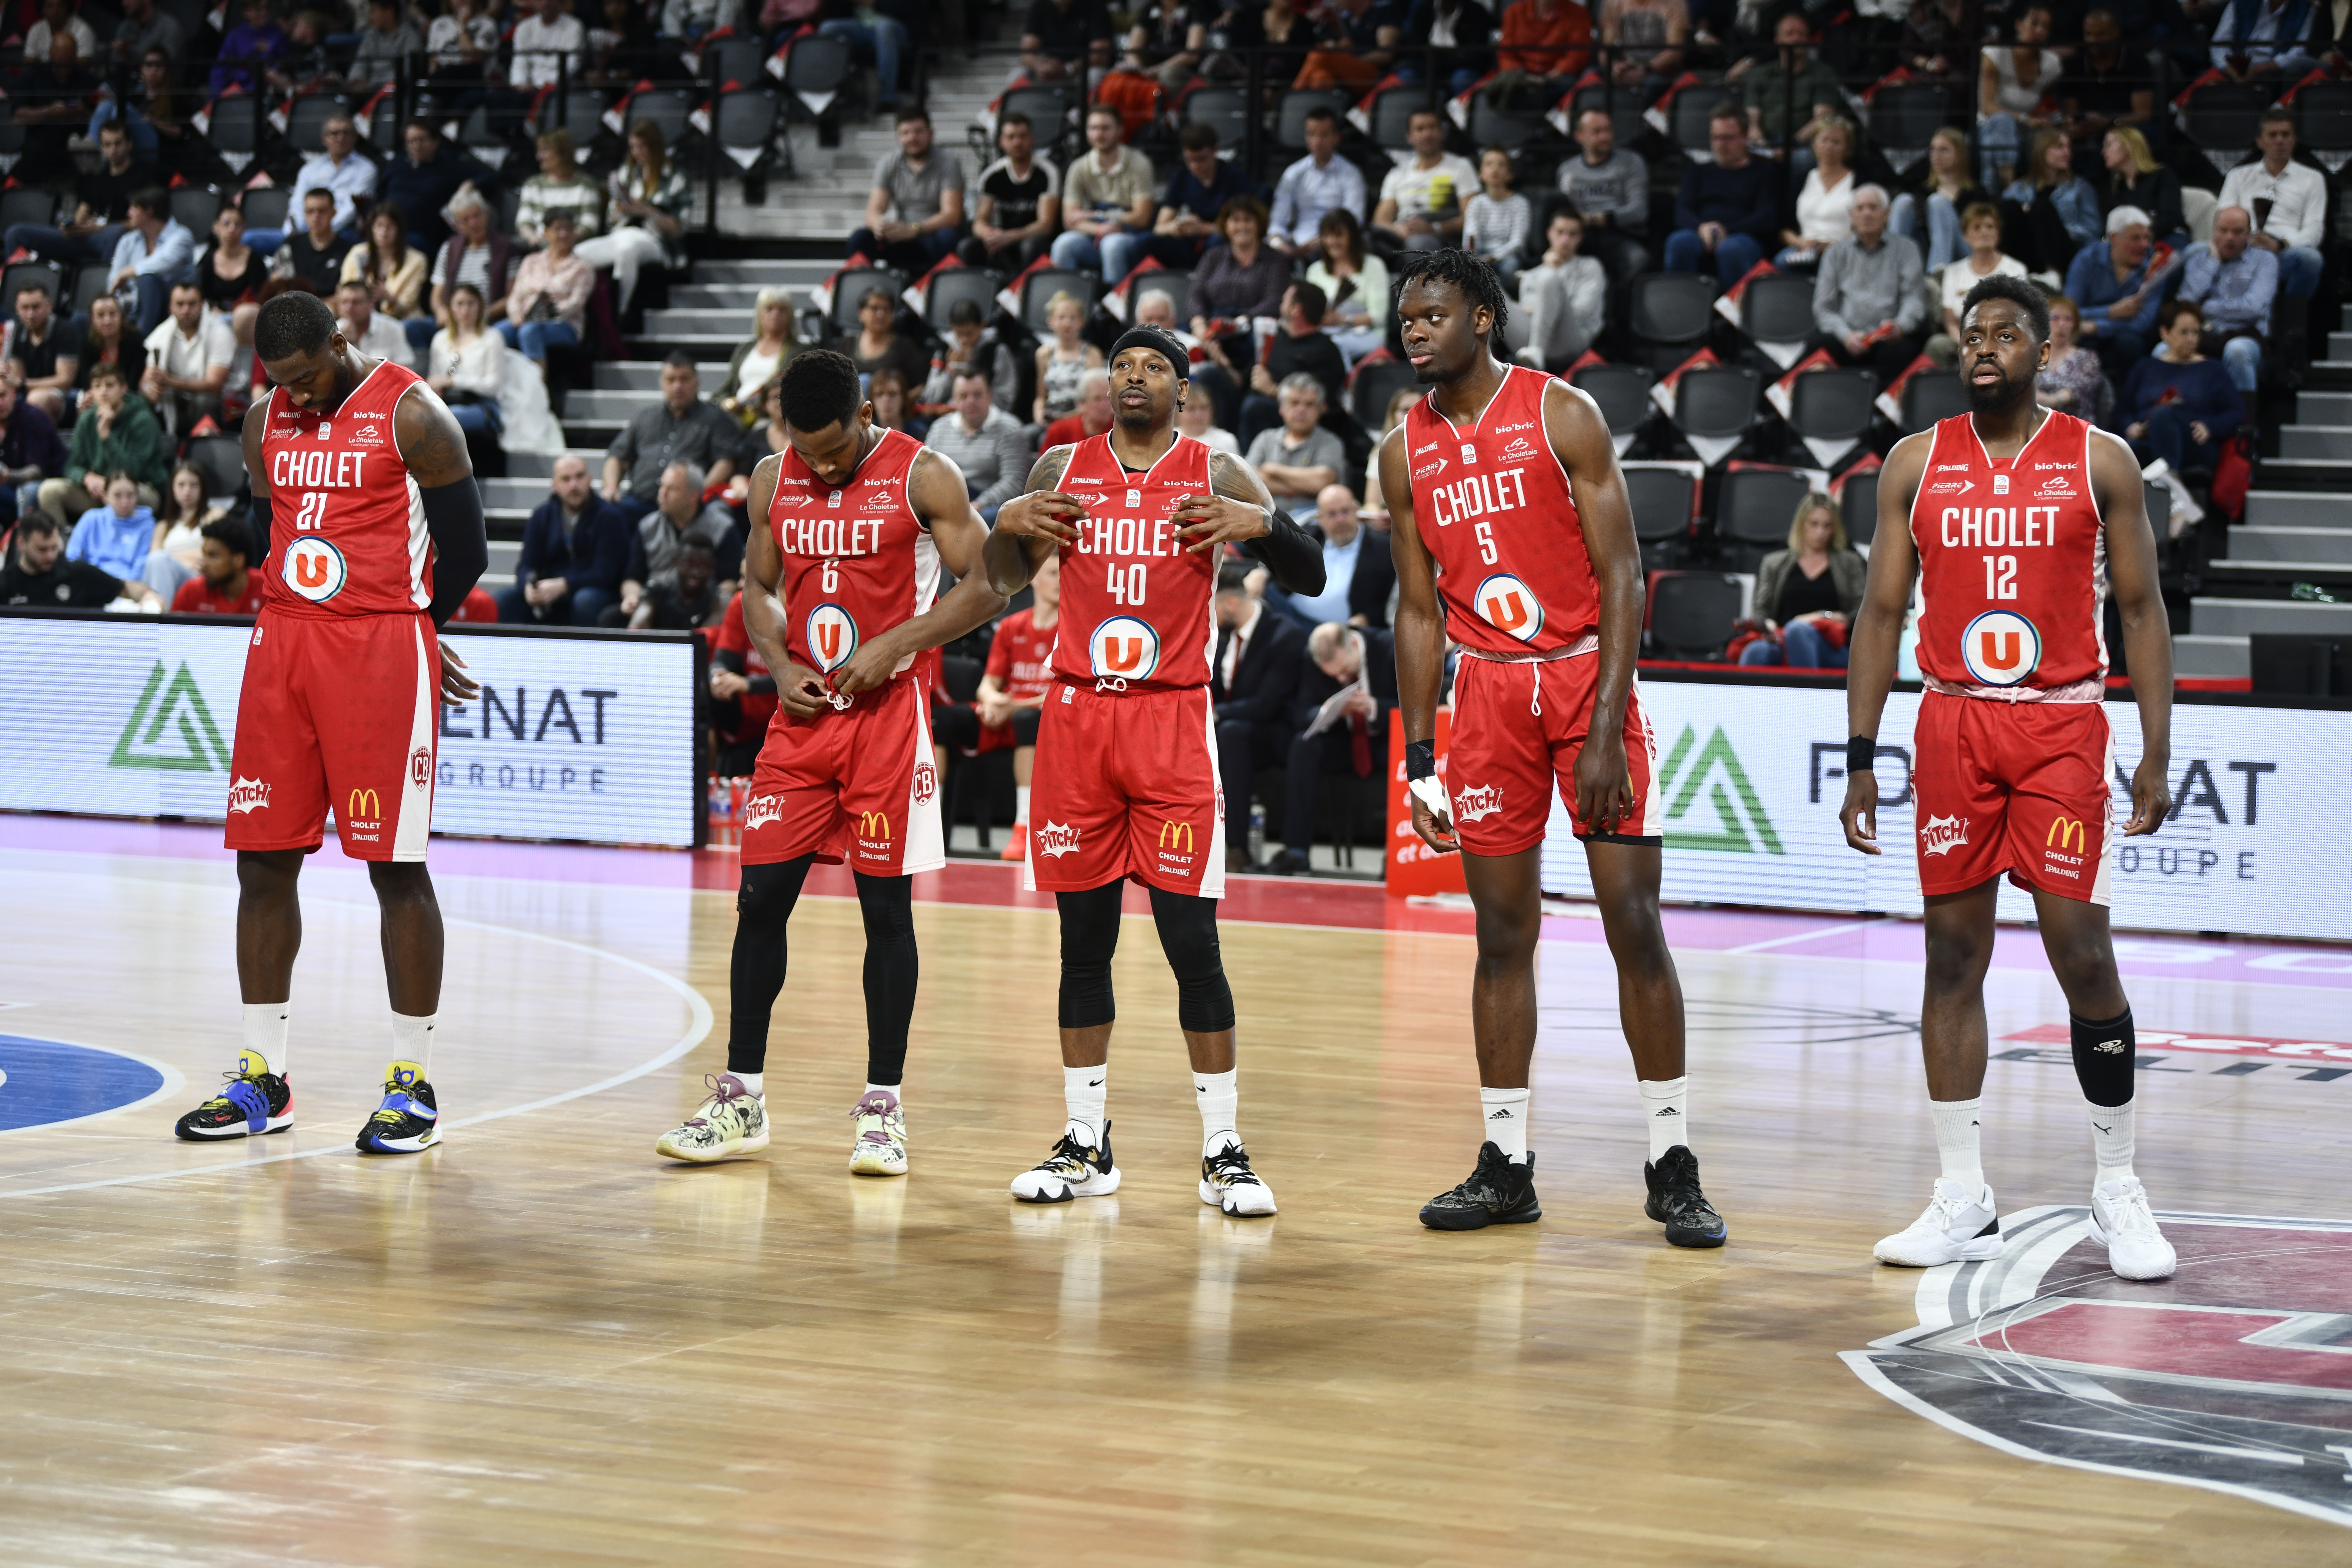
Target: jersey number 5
(313,513)
(2000,577)
(1486,534)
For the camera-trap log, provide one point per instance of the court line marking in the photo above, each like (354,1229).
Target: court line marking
(1804,936)
(173,1081)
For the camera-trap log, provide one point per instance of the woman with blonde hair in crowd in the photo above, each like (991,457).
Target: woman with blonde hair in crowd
(1355,285)
(558,183)
(491,390)
(1930,216)
(389,267)
(2074,382)
(1809,592)
(760,359)
(649,194)
(1982,225)
(2137,178)
(1062,361)
(2062,210)
(1825,204)
(180,519)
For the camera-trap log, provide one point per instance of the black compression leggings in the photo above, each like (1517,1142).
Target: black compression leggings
(1188,935)
(763,909)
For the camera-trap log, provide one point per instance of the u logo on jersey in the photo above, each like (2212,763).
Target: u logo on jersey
(832,637)
(1124,647)
(2001,647)
(1511,606)
(314,569)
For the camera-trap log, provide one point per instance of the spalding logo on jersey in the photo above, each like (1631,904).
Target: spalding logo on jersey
(314,569)
(2001,647)
(1124,648)
(1511,606)
(832,637)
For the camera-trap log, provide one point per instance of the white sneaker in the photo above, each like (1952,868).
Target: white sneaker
(731,1122)
(2121,1223)
(881,1146)
(1227,1181)
(1073,1170)
(1957,1227)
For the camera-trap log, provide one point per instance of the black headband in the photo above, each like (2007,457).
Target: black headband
(1159,341)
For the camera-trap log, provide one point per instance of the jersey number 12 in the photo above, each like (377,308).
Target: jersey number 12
(2000,577)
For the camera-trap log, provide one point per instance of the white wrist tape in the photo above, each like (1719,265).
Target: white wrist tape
(1432,793)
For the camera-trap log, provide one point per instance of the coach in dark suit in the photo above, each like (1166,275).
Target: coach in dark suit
(1251,681)
(1356,746)
(576,549)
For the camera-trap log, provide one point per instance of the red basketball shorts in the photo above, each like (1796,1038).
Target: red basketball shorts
(1126,785)
(1519,727)
(337,711)
(856,785)
(2019,787)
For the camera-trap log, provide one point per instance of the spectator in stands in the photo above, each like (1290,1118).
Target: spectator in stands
(1458,33)
(875,39)
(1809,592)
(558,183)
(2012,83)
(1062,38)
(2062,211)
(1106,195)
(645,227)
(681,514)
(314,256)
(388,41)
(252,46)
(459,42)
(31,451)
(1020,203)
(1498,225)
(914,213)
(1982,223)
(343,170)
(984,441)
(187,363)
(547,43)
(971,343)
(2181,407)
(1358,40)
(1824,203)
(879,344)
(118,536)
(179,521)
(1564,294)
(158,116)
(685,596)
(422,181)
(1253,676)
(2234,284)
(680,429)
(1064,362)
(548,306)
(224,583)
(2110,285)
(1649,36)
(390,268)
(1165,41)
(694,19)
(1314,186)
(58,16)
(1359,570)
(1242,278)
(378,337)
(1297,348)
(1729,210)
(475,254)
(1197,417)
(2261,40)
(306,67)
(1357,667)
(576,550)
(52,102)
(1869,306)
(44,351)
(1277,34)
(1375,513)
(1611,187)
(2289,204)
(497,397)
(742,695)
(2106,88)
(231,274)
(1935,43)
(1299,458)
(101,205)
(1930,216)
(1543,44)
(760,359)
(1184,230)
(144,29)
(1421,199)
(2074,382)
(892,397)
(1787,95)
(115,432)
(156,250)
(1355,285)
(109,341)
(2136,179)
(41,575)
(1092,418)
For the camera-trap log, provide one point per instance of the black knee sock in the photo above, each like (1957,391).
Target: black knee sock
(2105,1057)
(892,969)
(1188,935)
(1089,938)
(763,907)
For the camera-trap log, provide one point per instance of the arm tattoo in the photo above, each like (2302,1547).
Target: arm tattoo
(1232,477)
(1051,466)
(430,441)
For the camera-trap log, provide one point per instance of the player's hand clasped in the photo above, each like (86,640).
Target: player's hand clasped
(1041,514)
(1206,521)
(801,692)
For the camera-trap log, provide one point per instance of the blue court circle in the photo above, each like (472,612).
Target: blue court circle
(48,1081)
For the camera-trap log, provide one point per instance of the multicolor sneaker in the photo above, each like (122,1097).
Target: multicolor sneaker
(1016,847)
(732,1121)
(256,1101)
(1074,1170)
(1227,1181)
(881,1146)
(407,1122)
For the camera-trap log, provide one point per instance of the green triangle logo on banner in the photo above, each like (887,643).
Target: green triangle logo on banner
(1713,777)
(171,728)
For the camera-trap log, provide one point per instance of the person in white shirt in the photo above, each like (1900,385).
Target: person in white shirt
(57,14)
(1981,226)
(2288,201)
(187,361)
(540,40)
(1563,293)
(1422,200)
(1825,204)
(341,169)
(371,334)
(1197,417)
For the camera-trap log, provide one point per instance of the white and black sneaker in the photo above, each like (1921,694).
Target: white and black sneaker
(1227,1181)
(1074,1170)
(1958,1226)
(2120,1222)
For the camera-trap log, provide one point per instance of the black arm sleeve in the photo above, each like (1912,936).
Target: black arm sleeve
(461,543)
(1291,554)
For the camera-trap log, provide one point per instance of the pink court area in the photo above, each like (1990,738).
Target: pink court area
(1271,901)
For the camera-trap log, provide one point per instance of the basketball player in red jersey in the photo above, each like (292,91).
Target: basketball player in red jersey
(2014,519)
(841,574)
(362,486)
(1508,508)
(1127,759)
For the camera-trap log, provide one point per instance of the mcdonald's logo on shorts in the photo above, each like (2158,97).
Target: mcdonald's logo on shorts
(364,805)
(2066,834)
(873,824)
(1176,836)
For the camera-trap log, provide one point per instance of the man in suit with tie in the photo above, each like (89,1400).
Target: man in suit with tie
(1361,662)
(1253,679)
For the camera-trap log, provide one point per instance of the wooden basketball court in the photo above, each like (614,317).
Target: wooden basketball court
(542,1344)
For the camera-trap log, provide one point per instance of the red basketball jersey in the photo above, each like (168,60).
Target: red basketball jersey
(1491,502)
(857,560)
(1021,655)
(2012,565)
(347,521)
(1135,602)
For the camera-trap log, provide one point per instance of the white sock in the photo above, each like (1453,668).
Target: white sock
(890,1089)
(1220,1096)
(1084,1092)
(1665,1101)
(1020,805)
(757,1082)
(412,1040)
(2111,1141)
(1505,1111)
(1957,1141)
(265,1032)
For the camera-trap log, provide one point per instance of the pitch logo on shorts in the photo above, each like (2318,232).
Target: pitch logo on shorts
(832,637)
(762,811)
(1054,840)
(1509,605)
(314,569)
(2001,647)
(1124,648)
(247,794)
(1942,835)
(1478,802)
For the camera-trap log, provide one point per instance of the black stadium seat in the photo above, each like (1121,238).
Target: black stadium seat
(1903,116)
(1858,500)
(1391,114)
(1672,313)
(1931,395)
(1376,382)
(1692,614)
(267,207)
(1174,282)
(1717,402)
(1623,107)
(1753,508)
(2322,116)
(1039,292)
(816,72)
(1509,129)
(974,283)
(1664,500)
(1623,392)
(1834,405)
(195,206)
(306,121)
(1290,118)
(28,205)
(1778,308)
(2224,117)
(1225,110)
(1694,106)
(849,291)
(222,458)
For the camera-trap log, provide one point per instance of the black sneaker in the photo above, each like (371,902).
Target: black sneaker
(1497,1193)
(254,1103)
(1676,1203)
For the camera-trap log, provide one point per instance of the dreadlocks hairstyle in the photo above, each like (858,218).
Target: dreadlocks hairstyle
(2026,295)
(820,390)
(1474,278)
(296,323)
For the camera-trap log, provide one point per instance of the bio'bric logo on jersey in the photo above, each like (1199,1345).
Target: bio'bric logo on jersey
(832,636)
(171,728)
(2001,647)
(1509,605)
(1124,647)
(1703,780)
(314,569)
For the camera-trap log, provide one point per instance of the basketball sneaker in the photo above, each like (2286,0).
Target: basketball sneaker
(1497,1193)
(2121,1223)
(732,1121)
(1227,1181)
(1676,1202)
(881,1146)
(407,1122)
(1016,847)
(256,1100)
(1073,1170)
(1958,1226)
